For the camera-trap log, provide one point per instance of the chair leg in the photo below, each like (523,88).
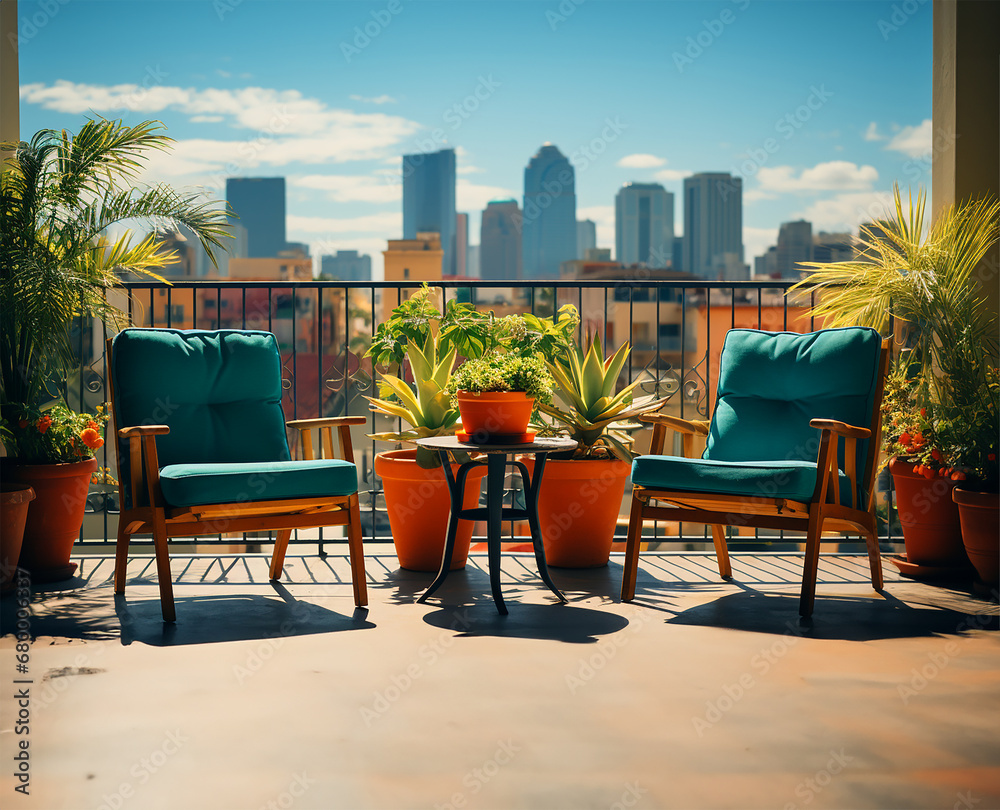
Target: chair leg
(722,551)
(163,567)
(874,560)
(278,555)
(811,566)
(121,554)
(356,550)
(632,544)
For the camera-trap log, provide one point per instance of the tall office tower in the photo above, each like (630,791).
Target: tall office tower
(461,244)
(500,241)
(586,237)
(429,200)
(259,202)
(833,247)
(795,244)
(713,225)
(548,233)
(644,225)
(472,261)
(347,265)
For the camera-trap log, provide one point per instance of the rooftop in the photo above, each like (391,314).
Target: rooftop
(700,694)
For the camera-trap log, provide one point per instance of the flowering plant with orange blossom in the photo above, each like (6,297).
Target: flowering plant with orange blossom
(54,435)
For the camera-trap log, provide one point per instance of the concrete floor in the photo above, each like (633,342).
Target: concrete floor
(701,694)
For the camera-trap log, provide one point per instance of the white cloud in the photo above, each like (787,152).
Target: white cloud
(872,133)
(383,99)
(671,175)
(474,197)
(844,212)
(387,225)
(352,188)
(205,119)
(835,175)
(604,219)
(756,241)
(755,194)
(913,141)
(641,161)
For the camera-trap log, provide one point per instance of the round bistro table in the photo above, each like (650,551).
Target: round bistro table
(494,513)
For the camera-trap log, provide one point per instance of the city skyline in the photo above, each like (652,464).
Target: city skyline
(815,143)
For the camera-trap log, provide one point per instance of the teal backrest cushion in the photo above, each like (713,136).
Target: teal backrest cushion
(218,391)
(772,383)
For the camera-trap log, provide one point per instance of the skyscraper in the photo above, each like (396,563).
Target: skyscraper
(713,225)
(795,244)
(548,234)
(461,244)
(644,225)
(259,202)
(347,265)
(586,237)
(500,240)
(429,200)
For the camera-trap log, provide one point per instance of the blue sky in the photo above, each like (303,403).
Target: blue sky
(818,105)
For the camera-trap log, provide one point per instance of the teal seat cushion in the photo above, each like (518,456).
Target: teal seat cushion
(793,480)
(199,484)
(771,384)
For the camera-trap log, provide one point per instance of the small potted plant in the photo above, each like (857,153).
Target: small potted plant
(55,451)
(580,497)
(497,394)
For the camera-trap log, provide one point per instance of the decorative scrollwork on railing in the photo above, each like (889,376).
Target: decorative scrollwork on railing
(661,379)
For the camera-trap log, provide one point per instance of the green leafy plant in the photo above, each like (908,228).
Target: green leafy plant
(504,372)
(61,196)
(925,279)
(594,409)
(55,435)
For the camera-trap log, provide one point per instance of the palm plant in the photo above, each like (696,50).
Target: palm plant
(586,383)
(925,278)
(61,196)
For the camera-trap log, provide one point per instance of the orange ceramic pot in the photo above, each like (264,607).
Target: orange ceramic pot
(931,529)
(494,412)
(14,500)
(54,517)
(419,505)
(578,506)
(979,513)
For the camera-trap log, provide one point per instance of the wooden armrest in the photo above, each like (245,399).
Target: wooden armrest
(138,431)
(327,421)
(695,427)
(840,428)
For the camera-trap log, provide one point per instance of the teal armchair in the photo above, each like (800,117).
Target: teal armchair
(792,444)
(202,449)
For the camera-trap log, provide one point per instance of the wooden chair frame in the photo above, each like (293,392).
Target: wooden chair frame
(149,514)
(824,511)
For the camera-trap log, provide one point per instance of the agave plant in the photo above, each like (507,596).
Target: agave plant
(586,383)
(61,195)
(428,411)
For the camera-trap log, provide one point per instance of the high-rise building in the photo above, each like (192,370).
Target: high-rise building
(795,244)
(429,200)
(418,259)
(347,265)
(586,237)
(259,202)
(713,226)
(472,261)
(548,233)
(461,244)
(644,225)
(833,247)
(500,240)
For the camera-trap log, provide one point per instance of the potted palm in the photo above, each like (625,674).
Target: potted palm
(61,196)
(580,497)
(926,281)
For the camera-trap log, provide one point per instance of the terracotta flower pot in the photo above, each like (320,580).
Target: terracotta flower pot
(419,506)
(494,412)
(54,517)
(929,517)
(980,516)
(14,500)
(578,506)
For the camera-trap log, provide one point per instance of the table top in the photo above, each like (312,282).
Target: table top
(539,445)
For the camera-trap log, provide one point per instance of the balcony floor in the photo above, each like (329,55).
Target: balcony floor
(701,694)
